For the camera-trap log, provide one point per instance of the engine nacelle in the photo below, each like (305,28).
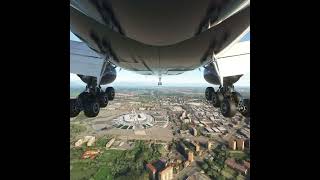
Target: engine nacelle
(211,75)
(108,77)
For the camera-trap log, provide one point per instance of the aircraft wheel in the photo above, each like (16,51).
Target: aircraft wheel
(246,110)
(110,93)
(91,107)
(103,99)
(237,97)
(74,109)
(217,98)
(208,93)
(228,108)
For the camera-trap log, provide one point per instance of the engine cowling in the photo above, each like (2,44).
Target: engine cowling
(211,75)
(108,77)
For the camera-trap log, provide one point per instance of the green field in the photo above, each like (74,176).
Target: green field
(228,173)
(75,130)
(240,155)
(113,164)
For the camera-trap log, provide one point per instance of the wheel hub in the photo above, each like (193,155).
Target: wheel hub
(95,107)
(224,107)
(214,99)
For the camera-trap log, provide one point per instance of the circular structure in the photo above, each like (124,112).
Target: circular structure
(134,121)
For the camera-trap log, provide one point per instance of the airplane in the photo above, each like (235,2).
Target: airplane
(160,38)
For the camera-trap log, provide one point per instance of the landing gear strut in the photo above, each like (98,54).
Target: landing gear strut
(228,100)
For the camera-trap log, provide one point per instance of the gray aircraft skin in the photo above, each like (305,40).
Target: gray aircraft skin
(159,37)
(165,37)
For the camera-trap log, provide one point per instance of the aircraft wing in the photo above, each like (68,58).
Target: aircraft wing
(84,60)
(235,60)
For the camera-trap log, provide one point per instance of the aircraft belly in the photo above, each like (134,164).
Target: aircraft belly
(135,56)
(187,17)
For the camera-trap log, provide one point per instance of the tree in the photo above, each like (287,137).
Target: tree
(205,166)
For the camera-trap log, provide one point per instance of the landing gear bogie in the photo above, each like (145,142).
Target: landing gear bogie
(229,101)
(90,101)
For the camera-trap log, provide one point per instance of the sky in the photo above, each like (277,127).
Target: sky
(189,78)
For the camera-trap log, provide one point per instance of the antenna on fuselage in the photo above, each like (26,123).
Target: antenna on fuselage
(159,83)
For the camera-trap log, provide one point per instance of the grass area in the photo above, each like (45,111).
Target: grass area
(98,168)
(80,117)
(240,177)
(113,164)
(228,173)
(240,155)
(76,129)
(102,141)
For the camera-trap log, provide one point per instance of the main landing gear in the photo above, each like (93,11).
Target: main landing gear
(91,100)
(228,100)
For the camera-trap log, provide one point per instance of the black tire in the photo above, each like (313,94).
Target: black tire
(237,97)
(217,98)
(228,108)
(74,108)
(103,99)
(91,107)
(110,93)
(246,103)
(208,93)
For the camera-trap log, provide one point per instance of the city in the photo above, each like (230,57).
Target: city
(160,133)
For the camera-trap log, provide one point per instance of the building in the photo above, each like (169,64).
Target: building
(183,149)
(79,143)
(238,167)
(194,131)
(216,130)
(246,164)
(186,164)
(232,144)
(186,120)
(183,131)
(91,141)
(152,171)
(166,174)
(240,144)
(196,146)
(190,156)
(87,139)
(109,144)
(90,154)
(222,129)
(209,145)
(236,143)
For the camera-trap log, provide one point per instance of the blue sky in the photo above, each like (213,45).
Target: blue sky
(194,77)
